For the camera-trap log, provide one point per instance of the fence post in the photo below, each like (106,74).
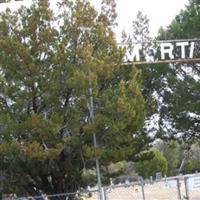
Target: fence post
(104,193)
(186,188)
(178,188)
(142,186)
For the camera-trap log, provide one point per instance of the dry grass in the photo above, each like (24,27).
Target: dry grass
(156,191)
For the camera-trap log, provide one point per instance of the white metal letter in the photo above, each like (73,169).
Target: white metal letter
(136,52)
(182,45)
(191,49)
(166,48)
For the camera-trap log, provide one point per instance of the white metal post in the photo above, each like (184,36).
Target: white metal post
(91,110)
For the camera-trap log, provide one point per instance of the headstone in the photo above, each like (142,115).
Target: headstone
(151,179)
(171,183)
(194,183)
(158,176)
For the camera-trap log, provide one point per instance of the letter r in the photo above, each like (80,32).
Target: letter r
(166,48)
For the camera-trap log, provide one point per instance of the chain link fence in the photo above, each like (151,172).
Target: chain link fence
(83,195)
(192,187)
(165,189)
(124,191)
(173,188)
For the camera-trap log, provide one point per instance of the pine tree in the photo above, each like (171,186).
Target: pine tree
(171,91)
(180,91)
(50,67)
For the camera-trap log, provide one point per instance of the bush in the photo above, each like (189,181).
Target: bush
(157,163)
(191,166)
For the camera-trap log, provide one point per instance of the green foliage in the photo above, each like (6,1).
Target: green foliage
(191,166)
(140,34)
(171,151)
(176,86)
(192,163)
(181,108)
(185,25)
(141,28)
(50,69)
(156,163)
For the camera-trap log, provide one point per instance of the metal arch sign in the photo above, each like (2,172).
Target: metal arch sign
(166,51)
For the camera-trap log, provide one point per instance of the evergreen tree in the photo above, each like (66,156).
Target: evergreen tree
(171,151)
(175,87)
(156,163)
(180,94)
(51,67)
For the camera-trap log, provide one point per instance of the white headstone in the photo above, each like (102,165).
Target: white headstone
(194,183)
